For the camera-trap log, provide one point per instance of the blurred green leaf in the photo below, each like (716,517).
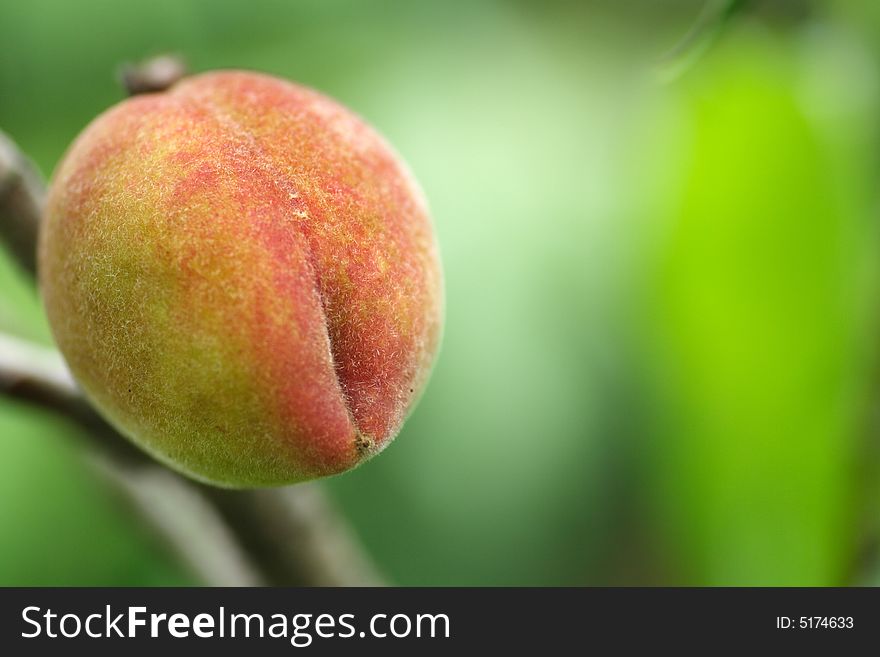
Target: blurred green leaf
(756,330)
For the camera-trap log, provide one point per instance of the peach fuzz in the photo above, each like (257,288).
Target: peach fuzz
(243,278)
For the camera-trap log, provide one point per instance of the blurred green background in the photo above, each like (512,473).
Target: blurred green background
(659,364)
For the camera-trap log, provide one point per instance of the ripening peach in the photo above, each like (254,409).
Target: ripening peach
(243,277)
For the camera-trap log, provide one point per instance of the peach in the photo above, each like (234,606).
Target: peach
(243,278)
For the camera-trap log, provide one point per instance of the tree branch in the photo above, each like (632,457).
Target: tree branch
(155,74)
(22,194)
(285,536)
